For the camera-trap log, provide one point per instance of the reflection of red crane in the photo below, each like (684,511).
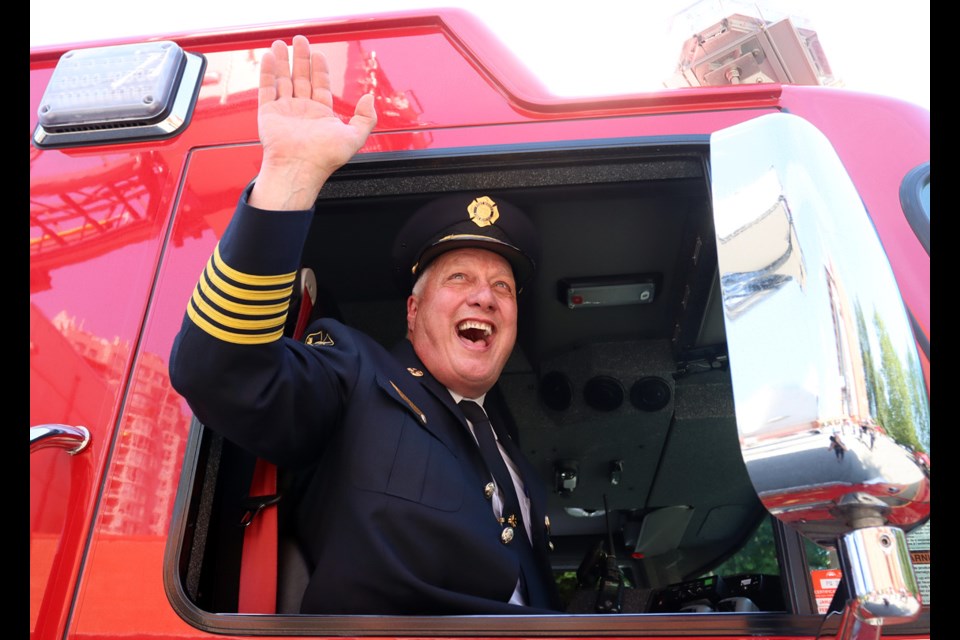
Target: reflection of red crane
(396,108)
(89,212)
(85,214)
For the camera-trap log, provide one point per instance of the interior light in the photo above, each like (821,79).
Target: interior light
(607,291)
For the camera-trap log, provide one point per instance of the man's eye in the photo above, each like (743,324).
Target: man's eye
(457,276)
(503,285)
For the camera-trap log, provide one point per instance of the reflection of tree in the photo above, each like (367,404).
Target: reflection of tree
(919,404)
(817,557)
(869,371)
(759,555)
(895,397)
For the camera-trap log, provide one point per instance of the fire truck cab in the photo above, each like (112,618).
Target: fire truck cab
(735,276)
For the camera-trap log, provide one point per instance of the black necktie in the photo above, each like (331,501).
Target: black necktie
(514,532)
(511,516)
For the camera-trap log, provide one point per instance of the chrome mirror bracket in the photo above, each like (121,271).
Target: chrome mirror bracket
(882,584)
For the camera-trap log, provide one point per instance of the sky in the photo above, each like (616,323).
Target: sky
(875,46)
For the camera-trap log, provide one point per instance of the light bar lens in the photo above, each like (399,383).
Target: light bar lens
(124,85)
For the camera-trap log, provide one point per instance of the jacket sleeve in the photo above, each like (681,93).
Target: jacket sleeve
(231,362)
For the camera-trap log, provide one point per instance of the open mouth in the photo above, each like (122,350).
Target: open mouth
(474,331)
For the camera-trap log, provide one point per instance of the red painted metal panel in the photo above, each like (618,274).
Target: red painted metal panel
(96,225)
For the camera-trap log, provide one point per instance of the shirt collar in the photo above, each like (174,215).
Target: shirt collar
(457,398)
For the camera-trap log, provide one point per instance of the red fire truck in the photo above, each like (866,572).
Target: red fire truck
(735,278)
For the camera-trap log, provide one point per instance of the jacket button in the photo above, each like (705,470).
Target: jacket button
(506,536)
(488,490)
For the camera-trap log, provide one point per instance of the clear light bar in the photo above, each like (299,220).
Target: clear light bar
(142,90)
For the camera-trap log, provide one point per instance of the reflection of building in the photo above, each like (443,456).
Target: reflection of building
(106,356)
(761,257)
(149,448)
(854,400)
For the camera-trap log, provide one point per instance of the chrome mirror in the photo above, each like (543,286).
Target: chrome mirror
(830,400)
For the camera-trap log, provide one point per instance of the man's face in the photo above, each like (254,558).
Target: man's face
(463,320)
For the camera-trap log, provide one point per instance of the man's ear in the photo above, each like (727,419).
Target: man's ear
(413,306)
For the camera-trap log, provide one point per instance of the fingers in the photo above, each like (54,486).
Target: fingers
(267,90)
(301,68)
(281,69)
(365,115)
(320,79)
(310,77)
(274,73)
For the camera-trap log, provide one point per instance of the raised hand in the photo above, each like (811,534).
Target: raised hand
(304,140)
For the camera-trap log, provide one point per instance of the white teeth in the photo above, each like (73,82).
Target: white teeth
(473,324)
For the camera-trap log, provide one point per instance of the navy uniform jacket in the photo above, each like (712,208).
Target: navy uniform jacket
(394,519)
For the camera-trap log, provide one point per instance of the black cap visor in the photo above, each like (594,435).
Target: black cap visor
(522,266)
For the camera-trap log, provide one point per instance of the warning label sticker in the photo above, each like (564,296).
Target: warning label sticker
(825,583)
(918,541)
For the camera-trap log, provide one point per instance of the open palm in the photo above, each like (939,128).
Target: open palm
(300,132)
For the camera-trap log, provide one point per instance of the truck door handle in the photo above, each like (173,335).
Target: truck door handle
(73,439)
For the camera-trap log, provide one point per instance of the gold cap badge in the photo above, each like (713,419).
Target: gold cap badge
(483,211)
(416,373)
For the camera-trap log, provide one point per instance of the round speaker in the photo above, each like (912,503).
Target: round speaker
(603,393)
(650,394)
(556,391)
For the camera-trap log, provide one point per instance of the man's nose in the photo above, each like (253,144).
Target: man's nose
(482,294)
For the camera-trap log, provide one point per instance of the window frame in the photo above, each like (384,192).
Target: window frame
(801,618)
(915,201)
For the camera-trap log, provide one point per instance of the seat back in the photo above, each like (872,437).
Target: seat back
(274,569)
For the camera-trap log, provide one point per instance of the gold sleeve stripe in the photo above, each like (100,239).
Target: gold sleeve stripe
(239,308)
(245,294)
(246,278)
(236,323)
(227,336)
